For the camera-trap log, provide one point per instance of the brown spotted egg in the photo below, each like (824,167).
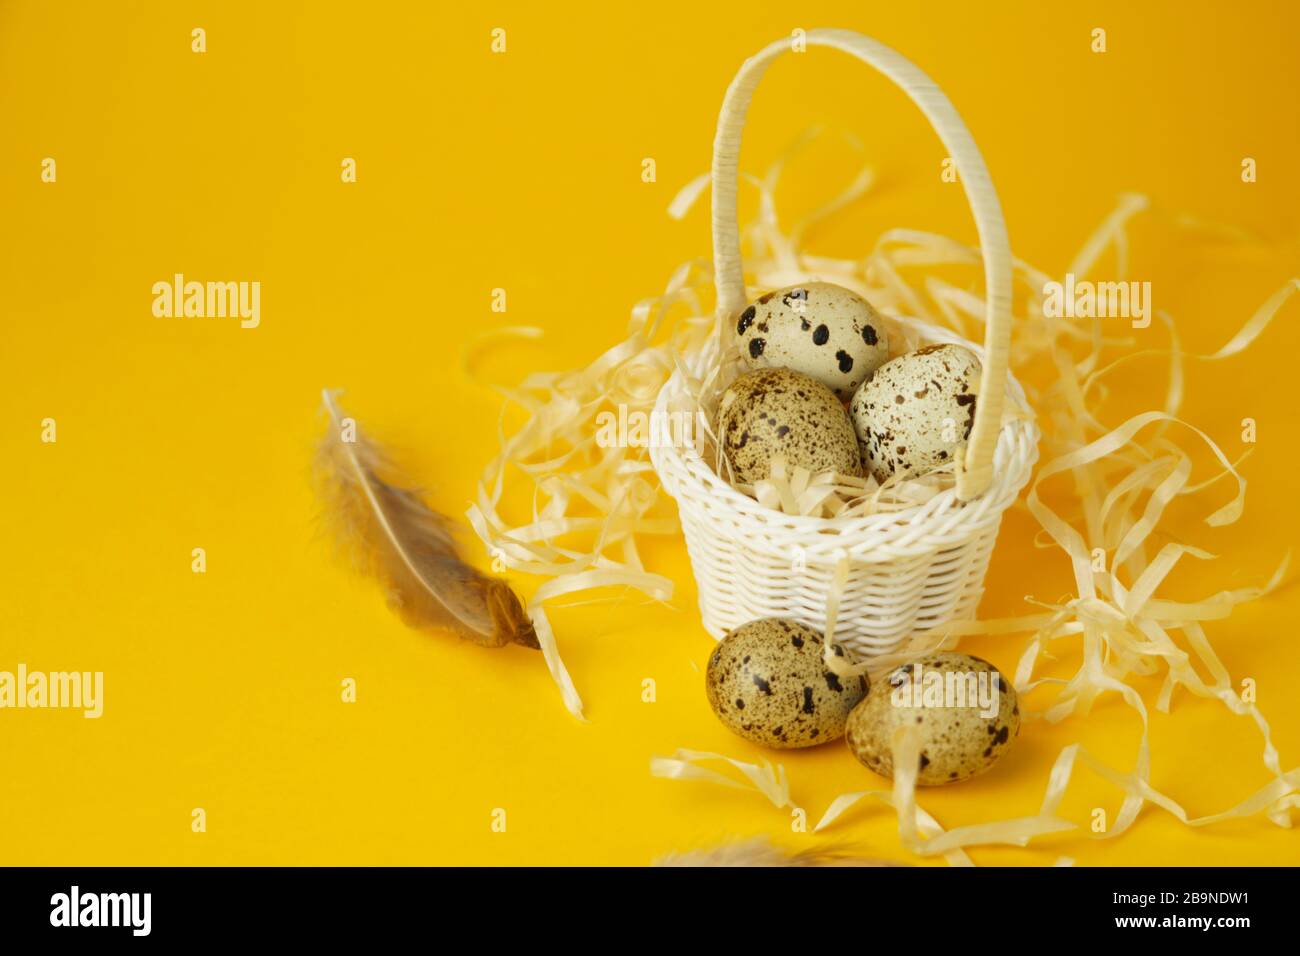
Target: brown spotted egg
(767,682)
(776,413)
(917,411)
(966,712)
(819,329)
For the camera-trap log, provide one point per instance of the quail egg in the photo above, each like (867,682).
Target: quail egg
(778,413)
(966,712)
(916,412)
(767,682)
(819,329)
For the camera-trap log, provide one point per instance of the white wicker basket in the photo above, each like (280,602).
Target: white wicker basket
(899,572)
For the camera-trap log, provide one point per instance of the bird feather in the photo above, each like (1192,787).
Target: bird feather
(759,851)
(390,532)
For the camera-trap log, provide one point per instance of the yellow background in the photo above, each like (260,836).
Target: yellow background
(522,171)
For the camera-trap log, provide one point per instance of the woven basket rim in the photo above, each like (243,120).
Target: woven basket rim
(1008,479)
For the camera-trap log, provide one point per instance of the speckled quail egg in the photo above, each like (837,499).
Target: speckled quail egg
(966,712)
(917,411)
(820,329)
(777,413)
(767,682)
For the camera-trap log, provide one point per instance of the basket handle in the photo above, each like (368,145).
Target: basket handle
(976,472)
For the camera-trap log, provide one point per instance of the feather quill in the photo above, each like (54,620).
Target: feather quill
(758,851)
(394,536)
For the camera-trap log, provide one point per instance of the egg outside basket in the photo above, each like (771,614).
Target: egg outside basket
(887,576)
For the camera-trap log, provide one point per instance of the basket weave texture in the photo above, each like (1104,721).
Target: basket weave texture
(903,572)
